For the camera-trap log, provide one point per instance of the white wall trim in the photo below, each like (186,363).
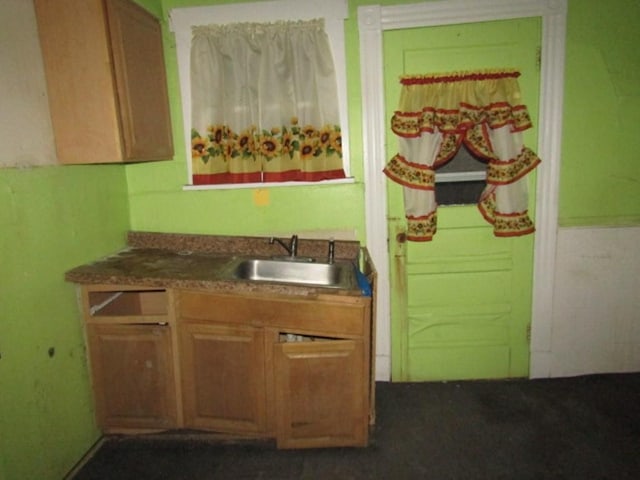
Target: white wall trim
(548,185)
(373,20)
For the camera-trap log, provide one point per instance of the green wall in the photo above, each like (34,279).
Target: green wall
(51,219)
(600,175)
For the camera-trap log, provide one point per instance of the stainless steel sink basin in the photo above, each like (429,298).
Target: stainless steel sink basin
(335,275)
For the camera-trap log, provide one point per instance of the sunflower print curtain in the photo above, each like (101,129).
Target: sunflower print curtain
(264,104)
(436,115)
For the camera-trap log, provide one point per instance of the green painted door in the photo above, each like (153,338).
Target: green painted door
(461,304)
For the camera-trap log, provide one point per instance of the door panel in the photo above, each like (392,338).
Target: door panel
(461,303)
(223,377)
(321,391)
(133,376)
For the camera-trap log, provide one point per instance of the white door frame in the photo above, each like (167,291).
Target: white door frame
(373,20)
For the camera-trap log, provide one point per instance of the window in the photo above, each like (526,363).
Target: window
(331,13)
(462,180)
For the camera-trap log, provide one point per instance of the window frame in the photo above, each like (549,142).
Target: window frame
(333,12)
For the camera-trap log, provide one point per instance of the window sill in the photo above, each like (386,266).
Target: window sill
(234,186)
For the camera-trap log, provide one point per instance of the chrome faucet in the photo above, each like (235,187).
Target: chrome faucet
(292,248)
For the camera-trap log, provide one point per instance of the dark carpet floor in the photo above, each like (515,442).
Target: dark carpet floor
(574,428)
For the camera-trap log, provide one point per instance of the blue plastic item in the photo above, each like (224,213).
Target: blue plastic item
(363,283)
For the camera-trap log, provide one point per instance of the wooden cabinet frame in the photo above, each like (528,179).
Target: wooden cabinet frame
(296,369)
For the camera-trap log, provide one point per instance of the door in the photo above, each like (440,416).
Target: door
(460,304)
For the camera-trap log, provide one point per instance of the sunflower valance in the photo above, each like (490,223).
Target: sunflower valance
(436,115)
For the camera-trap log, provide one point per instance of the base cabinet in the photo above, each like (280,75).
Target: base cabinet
(291,368)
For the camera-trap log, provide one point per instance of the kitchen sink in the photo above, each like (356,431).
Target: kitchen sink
(331,275)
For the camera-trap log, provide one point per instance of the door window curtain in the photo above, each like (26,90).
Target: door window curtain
(436,115)
(264,104)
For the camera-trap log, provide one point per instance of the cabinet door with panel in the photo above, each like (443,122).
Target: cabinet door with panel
(106,81)
(136,39)
(223,377)
(133,376)
(321,393)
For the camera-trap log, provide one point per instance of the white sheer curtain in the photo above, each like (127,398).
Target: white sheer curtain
(264,103)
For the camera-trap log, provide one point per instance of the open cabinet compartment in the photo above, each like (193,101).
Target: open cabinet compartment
(127,303)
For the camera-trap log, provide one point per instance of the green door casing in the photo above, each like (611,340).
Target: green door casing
(460,304)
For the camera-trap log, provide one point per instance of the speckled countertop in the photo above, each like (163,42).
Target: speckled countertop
(197,262)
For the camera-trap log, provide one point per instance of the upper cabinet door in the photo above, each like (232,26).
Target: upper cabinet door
(138,59)
(106,81)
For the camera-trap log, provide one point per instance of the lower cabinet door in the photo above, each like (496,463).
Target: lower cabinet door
(133,376)
(223,379)
(321,394)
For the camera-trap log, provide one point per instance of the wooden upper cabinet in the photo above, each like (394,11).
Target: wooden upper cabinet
(106,81)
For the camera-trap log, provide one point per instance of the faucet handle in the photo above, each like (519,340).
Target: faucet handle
(293,247)
(332,251)
(288,248)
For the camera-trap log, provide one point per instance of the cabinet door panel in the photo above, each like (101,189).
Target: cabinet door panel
(81,88)
(133,376)
(223,377)
(141,79)
(321,394)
